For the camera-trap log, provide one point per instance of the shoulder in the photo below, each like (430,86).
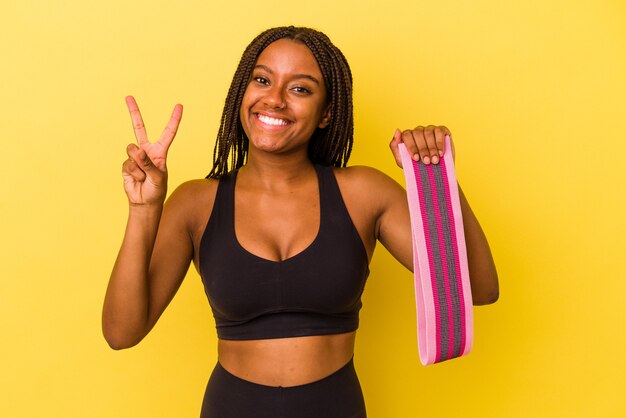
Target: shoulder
(192,202)
(368,179)
(192,192)
(369,189)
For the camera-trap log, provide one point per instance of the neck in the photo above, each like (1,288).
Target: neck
(276,171)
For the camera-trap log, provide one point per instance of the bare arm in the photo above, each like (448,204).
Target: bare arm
(156,249)
(152,262)
(482,268)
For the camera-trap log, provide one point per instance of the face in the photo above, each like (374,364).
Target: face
(285,100)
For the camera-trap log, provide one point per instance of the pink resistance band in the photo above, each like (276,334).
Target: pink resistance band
(442,287)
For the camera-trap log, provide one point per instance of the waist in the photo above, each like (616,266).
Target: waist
(286,361)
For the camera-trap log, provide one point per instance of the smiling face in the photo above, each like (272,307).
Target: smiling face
(285,100)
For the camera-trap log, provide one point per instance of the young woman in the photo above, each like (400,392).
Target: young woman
(282,236)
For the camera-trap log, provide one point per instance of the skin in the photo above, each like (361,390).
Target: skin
(276,216)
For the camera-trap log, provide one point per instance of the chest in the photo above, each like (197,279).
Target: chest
(309,258)
(276,226)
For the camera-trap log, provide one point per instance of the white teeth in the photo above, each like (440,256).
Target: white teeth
(272,121)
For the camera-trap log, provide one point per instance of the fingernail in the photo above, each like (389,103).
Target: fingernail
(426,160)
(435,159)
(416,157)
(440,153)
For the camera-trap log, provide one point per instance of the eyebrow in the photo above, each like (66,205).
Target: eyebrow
(307,76)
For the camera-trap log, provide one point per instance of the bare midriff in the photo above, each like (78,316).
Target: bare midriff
(286,361)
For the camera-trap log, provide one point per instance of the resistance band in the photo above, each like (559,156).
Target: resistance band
(442,288)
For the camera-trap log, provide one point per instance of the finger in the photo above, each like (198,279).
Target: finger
(135,117)
(449,136)
(172,127)
(395,141)
(429,136)
(420,143)
(440,139)
(139,156)
(408,139)
(131,169)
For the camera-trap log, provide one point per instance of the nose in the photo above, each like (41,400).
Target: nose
(274,98)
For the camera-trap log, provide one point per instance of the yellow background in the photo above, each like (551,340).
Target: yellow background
(533,93)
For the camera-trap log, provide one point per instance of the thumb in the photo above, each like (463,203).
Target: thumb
(397,139)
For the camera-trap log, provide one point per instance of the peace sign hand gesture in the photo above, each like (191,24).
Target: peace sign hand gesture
(145,171)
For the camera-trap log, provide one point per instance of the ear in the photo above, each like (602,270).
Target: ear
(326,118)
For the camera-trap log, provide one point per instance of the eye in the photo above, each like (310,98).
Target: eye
(301,90)
(261,80)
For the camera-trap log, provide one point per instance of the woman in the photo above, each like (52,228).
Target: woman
(282,237)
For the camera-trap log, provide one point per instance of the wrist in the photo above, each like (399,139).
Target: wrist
(145,209)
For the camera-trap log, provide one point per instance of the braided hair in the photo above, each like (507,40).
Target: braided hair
(330,146)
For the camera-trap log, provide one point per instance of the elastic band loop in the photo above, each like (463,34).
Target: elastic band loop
(442,288)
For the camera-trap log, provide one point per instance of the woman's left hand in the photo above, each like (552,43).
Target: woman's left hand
(423,143)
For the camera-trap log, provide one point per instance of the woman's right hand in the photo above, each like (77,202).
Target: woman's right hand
(145,171)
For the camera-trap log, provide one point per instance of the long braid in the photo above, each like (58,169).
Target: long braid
(329,146)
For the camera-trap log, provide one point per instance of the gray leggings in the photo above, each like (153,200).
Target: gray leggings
(336,396)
